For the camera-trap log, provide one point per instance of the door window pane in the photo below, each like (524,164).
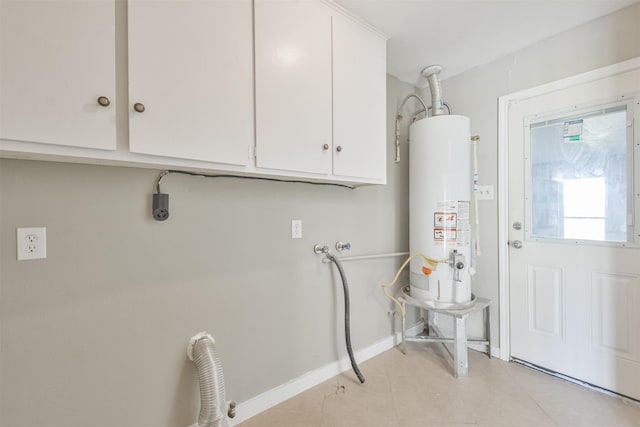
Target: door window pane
(584,208)
(579,180)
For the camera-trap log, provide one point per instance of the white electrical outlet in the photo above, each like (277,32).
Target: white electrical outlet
(296,228)
(31,243)
(485,192)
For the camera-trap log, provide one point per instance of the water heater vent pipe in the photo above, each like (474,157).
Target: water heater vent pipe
(431,73)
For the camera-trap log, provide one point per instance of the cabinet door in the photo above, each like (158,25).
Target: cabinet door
(56,59)
(293,85)
(359,101)
(190,66)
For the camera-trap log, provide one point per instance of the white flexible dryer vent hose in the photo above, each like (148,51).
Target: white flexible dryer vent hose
(202,352)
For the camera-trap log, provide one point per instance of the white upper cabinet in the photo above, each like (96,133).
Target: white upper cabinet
(57,66)
(320,92)
(191,79)
(293,86)
(359,101)
(290,88)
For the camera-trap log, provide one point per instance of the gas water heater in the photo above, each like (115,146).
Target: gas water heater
(439,200)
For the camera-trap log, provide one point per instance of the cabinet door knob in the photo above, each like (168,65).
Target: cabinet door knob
(139,107)
(338,148)
(103,101)
(325,147)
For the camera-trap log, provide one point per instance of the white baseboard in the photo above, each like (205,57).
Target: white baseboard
(271,398)
(495,351)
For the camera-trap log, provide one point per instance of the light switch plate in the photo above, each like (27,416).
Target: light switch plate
(296,229)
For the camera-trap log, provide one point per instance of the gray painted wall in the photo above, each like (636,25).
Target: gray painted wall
(96,334)
(608,40)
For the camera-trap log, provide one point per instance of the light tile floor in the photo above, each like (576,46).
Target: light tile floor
(419,390)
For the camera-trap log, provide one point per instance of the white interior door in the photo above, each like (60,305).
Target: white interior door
(574,203)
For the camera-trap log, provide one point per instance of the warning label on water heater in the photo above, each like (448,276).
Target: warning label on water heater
(451,222)
(445,219)
(445,234)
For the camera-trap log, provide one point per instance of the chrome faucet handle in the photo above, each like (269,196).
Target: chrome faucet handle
(320,249)
(343,246)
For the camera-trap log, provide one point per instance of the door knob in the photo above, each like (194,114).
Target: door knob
(139,107)
(517,244)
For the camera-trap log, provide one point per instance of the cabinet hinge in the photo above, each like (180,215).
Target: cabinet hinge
(252,152)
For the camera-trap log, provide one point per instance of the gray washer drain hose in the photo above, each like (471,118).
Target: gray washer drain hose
(347,327)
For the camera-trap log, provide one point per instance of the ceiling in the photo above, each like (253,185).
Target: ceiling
(462,34)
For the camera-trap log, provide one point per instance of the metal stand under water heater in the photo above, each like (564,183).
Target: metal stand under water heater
(439,200)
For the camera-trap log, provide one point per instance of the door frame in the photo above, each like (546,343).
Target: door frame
(503,178)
